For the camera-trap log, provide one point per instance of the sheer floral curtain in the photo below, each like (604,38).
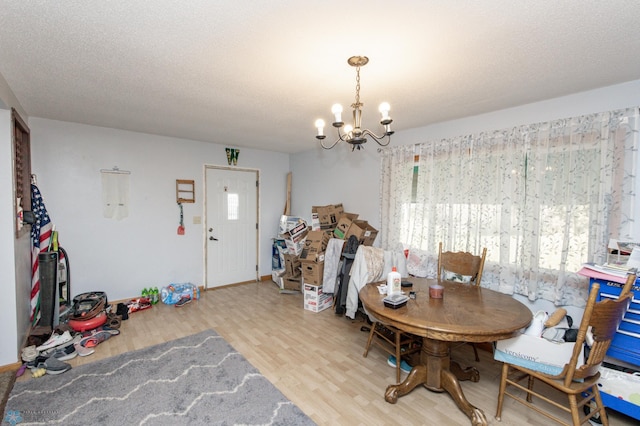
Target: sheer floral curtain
(543,199)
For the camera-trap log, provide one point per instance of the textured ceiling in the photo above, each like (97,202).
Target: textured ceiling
(258,73)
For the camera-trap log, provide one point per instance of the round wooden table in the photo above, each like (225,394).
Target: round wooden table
(466,313)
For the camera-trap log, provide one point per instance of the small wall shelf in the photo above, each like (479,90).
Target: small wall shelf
(185,191)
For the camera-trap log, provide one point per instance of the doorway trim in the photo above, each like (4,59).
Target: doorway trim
(204,218)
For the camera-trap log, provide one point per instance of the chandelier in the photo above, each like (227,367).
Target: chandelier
(354,134)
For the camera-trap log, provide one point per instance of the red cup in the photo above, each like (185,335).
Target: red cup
(436,291)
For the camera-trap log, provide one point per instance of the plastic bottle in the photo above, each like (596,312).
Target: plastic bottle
(394,281)
(153,295)
(145,292)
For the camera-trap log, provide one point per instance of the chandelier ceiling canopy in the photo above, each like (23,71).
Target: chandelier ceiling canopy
(354,134)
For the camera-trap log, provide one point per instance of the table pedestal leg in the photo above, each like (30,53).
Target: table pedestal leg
(462,374)
(438,374)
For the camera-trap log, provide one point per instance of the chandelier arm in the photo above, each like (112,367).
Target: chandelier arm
(378,139)
(330,146)
(344,137)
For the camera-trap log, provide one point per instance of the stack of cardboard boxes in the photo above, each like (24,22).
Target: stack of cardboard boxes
(303,258)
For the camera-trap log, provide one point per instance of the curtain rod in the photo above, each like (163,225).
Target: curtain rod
(116,170)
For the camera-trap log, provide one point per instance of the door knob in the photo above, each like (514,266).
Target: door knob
(213,239)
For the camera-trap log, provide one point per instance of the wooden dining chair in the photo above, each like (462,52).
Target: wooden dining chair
(393,341)
(461,266)
(578,382)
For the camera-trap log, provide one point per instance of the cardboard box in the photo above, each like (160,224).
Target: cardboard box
(297,233)
(312,273)
(315,222)
(311,256)
(365,233)
(289,283)
(343,225)
(315,299)
(292,265)
(536,353)
(277,275)
(328,215)
(288,222)
(314,246)
(294,248)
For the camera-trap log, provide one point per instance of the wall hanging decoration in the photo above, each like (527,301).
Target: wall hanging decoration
(232,156)
(115,193)
(181,226)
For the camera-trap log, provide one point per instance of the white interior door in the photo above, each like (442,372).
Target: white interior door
(231,227)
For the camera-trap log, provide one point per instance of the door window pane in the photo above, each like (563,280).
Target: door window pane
(232,206)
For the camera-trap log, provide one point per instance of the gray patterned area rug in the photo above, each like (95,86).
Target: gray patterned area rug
(195,380)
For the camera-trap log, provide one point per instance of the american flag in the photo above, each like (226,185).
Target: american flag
(41,232)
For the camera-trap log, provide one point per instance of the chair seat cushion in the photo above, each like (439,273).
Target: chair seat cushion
(552,370)
(535,353)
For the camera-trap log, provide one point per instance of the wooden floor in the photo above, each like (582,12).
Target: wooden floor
(315,359)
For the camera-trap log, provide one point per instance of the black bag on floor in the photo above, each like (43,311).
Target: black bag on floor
(88,305)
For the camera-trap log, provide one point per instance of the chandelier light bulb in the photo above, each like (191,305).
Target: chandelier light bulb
(384,110)
(336,110)
(348,129)
(320,127)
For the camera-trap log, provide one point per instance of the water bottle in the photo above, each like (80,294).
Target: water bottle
(394,282)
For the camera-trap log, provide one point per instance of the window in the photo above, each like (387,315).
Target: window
(543,199)
(233,206)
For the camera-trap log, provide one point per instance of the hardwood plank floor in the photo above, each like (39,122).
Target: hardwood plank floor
(315,359)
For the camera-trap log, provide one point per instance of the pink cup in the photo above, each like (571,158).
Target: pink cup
(436,291)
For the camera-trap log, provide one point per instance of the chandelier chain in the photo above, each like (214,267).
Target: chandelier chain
(357,87)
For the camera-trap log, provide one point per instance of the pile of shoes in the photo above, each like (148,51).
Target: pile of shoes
(64,344)
(49,357)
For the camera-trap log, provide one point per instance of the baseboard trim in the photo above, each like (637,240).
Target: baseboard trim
(10,367)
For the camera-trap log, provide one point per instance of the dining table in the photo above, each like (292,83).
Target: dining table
(464,313)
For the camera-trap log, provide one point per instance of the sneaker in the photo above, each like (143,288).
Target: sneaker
(37,362)
(537,324)
(65,353)
(404,366)
(82,351)
(183,301)
(55,340)
(96,337)
(29,353)
(55,366)
(75,339)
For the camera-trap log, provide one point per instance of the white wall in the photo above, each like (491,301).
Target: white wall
(123,257)
(353,178)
